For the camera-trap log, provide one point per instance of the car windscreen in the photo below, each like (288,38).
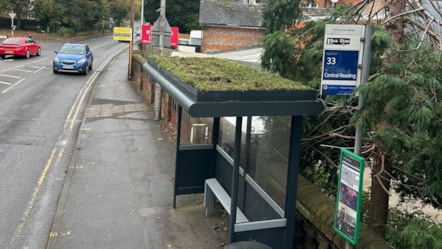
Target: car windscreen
(72,50)
(12,41)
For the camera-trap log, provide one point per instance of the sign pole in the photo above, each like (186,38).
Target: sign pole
(12,16)
(364,78)
(346,65)
(157,98)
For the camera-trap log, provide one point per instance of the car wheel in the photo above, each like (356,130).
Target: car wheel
(86,70)
(2,56)
(39,52)
(28,54)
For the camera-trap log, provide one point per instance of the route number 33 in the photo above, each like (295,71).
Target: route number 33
(331,60)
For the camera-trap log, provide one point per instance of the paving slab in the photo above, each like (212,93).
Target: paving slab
(118,191)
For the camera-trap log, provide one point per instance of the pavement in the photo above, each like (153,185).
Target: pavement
(118,191)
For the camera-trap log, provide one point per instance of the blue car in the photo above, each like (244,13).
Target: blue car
(73,58)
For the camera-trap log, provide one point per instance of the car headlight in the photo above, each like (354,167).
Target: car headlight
(56,60)
(81,61)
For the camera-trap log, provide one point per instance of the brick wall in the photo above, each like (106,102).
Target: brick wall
(230,38)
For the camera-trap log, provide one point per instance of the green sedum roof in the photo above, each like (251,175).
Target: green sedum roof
(215,74)
(222,88)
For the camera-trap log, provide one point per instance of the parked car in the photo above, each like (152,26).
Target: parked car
(73,58)
(19,46)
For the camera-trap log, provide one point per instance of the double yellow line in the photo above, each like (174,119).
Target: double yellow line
(58,152)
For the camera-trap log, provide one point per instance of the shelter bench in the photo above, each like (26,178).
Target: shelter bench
(213,188)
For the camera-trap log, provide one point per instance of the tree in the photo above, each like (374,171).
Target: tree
(280,14)
(49,12)
(398,161)
(403,113)
(20,8)
(150,10)
(184,16)
(79,15)
(413,230)
(403,89)
(119,10)
(4,5)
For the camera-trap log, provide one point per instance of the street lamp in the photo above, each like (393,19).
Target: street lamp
(142,14)
(12,16)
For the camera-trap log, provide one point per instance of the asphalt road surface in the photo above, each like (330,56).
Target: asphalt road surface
(40,113)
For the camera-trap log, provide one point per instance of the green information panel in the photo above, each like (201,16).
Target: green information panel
(349,197)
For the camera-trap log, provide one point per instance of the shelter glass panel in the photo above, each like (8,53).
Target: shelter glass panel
(195,130)
(265,145)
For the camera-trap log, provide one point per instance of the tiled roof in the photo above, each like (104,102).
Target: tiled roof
(229,14)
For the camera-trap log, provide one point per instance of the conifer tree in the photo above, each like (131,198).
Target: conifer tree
(401,112)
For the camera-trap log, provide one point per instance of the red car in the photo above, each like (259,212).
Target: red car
(20,45)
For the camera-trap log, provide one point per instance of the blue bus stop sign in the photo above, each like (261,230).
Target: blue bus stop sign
(341,57)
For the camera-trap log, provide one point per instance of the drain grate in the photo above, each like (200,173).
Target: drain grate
(108,110)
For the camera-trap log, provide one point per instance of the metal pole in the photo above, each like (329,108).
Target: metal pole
(157,104)
(162,23)
(364,78)
(131,38)
(142,14)
(177,158)
(235,178)
(293,168)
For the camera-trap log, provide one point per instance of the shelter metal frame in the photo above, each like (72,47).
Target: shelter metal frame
(269,224)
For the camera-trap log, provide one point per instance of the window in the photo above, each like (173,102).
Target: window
(310,5)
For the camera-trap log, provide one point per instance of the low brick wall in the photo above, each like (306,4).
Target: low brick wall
(318,210)
(146,86)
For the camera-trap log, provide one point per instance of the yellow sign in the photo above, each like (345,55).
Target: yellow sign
(122,34)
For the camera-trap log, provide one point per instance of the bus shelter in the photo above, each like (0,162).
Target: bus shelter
(218,169)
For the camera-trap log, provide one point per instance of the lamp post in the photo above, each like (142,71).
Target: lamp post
(12,16)
(130,71)
(142,14)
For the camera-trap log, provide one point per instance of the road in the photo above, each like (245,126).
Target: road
(40,116)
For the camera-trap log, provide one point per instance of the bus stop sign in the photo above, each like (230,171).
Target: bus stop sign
(342,56)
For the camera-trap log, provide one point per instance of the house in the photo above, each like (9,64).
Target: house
(238,25)
(230,26)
